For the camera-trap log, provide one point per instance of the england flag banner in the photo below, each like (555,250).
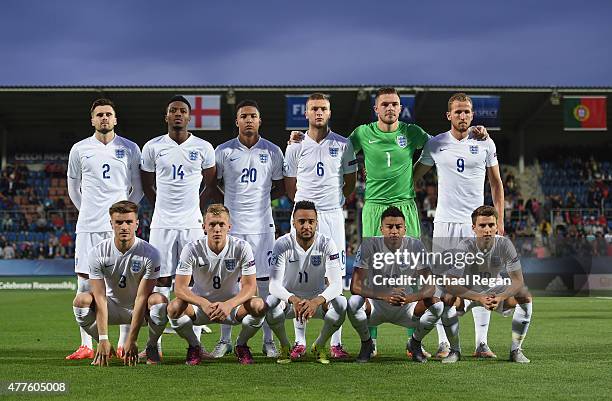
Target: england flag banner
(205,112)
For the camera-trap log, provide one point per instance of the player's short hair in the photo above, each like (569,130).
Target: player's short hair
(217,209)
(392,211)
(318,96)
(485,211)
(459,97)
(124,206)
(101,102)
(178,98)
(247,103)
(385,91)
(304,205)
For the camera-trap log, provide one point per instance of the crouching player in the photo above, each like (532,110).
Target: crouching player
(224,287)
(484,285)
(305,282)
(393,292)
(122,273)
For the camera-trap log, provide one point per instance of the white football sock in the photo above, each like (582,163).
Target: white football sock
(250,325)
(226,333)
(158,318)
(520,324)
(332,320)
(184,328)
(300,331)
(428,320)
(358,317)
(482,317)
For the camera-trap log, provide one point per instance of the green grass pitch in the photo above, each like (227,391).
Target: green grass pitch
(568,344)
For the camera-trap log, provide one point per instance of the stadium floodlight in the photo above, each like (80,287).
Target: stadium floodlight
(230,96)
(555,98)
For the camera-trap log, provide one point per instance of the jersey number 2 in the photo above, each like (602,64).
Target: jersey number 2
(105,170)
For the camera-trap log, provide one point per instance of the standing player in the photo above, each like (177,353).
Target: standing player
(224,289)
(462,163)
(251,168)
(102,170)
(322,168)
(122,273)
(305,282)
(388,146)
(485,286)
(375,302)
(172,168)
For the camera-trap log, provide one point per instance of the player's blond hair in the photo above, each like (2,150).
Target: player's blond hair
(124,206)
(318,96)
(459,97)
(485,211)
(217,209)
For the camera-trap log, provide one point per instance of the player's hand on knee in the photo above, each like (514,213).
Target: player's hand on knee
(295,137)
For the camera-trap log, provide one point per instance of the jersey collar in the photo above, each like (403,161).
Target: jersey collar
(116,250)
(211,255)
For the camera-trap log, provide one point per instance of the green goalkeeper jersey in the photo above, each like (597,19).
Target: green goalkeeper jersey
(388,160)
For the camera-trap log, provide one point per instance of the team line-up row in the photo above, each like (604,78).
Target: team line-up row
(248,171)
(216,283)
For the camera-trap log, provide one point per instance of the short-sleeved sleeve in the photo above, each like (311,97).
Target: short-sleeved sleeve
(363,257)
(135,182)
(355,139)
(349,160)
(509,255)
(291,160)
(426,157)
(153,267)
(421,137)
(219,161)
(74,164)
(95,265)
(278,163)
(208,156)
(187,261)
(247,260)
(147,162)
(491,153)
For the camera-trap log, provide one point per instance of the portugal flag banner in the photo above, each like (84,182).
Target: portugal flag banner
(585,113)
(205,112)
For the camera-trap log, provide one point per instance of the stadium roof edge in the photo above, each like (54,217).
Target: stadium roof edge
(303,88)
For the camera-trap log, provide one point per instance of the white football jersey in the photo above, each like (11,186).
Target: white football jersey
(106,173)
(122,272)
(247,175)
(320,169)
(178,175)
(501,258)
(370,257)
(461,167)
(216,277)
(303,272)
